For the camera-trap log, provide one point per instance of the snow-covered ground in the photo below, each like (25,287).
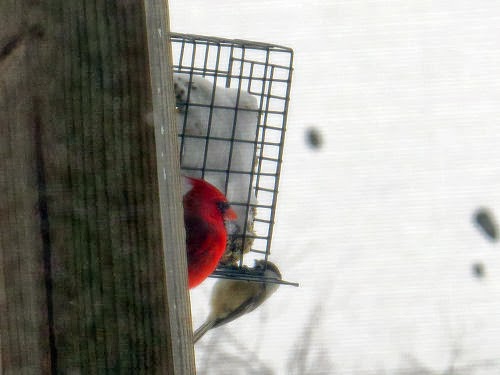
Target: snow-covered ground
(376,225)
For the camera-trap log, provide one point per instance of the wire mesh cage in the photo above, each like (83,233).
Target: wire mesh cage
(232,101)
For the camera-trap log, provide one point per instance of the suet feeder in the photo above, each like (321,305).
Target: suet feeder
(232,99)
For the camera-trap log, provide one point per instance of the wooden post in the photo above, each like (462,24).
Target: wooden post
(160,62)
(85,285)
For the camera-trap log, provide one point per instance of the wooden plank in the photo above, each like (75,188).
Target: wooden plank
(82,264)
(160,59)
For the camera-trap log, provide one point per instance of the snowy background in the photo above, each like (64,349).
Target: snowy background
(376,224)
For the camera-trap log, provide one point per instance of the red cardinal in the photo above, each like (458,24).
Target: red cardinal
(205,209)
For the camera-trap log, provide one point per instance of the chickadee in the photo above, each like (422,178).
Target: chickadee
(233,298)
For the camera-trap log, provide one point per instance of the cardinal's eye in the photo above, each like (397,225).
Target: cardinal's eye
(223,207)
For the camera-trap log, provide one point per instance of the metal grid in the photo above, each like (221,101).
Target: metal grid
(263,71)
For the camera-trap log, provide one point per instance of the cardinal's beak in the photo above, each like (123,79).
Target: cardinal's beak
(230,214)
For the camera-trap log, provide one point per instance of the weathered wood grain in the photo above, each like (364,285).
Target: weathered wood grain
(89,279)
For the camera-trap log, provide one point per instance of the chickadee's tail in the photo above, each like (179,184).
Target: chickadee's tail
(198,334)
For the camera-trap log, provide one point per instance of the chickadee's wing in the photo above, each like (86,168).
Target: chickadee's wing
(198,334)
(234,298)
(246,306)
